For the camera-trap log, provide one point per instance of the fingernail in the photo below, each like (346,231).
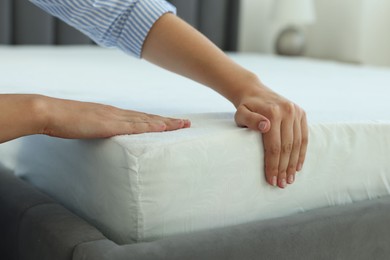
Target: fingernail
(299,167)
(187,122)
(283,183)
(274,181)
(262,125)
(291,179)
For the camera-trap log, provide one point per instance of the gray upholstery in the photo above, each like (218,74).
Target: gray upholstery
(217,19)
(32,226)
(15,199)
(358,231)
(23,23)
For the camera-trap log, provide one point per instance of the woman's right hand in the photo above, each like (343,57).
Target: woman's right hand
(36,114)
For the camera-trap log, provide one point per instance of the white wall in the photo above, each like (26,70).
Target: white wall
(348,30)
(336,33)
(375,37)
(255,30)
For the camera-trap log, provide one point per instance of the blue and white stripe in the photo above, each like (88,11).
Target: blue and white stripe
(111,23)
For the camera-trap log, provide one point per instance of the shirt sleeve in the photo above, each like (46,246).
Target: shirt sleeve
(111,23)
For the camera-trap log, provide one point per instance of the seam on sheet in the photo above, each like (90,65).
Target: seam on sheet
(136,195)
(135,190)
(158,146)
(140,215)
(206,139)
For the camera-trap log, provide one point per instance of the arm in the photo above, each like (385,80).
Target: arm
(35,114)
(18,116)
(176,46)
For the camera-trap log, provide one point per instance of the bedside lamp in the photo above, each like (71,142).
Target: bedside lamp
(292,15)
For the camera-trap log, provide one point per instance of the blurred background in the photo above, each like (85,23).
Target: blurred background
(353,31)
(345,30)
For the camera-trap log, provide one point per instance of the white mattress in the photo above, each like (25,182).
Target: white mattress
(149,186)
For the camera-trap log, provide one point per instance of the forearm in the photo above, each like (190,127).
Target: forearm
(174,45)
(20,115)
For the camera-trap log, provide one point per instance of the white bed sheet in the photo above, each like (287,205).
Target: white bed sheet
(149,186)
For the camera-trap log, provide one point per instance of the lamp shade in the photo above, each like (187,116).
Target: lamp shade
(294,12)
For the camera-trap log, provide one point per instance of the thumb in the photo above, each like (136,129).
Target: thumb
(255,121)
(264,125)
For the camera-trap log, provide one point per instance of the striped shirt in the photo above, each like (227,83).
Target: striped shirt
(111,23)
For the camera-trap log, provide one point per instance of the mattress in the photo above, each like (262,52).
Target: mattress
(149,186)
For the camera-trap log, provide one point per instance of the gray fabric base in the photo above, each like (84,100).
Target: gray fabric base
(357,231)
(32,226)
(16,198)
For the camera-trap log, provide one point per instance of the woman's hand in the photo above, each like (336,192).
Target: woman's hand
(73,119)
(35,114)
(174,45)
(284,128)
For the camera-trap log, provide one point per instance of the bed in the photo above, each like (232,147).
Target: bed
(151,187)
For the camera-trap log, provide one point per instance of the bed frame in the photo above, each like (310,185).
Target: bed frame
(33,226)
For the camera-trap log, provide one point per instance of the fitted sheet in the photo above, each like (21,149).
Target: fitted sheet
(149,186)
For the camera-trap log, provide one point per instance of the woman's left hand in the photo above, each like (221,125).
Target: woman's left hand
(284,128)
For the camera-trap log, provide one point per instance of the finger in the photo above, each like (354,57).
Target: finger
(187,123)
(171,123)
(304,143)
(287,137)
(255,121)
(272,144)
(114,127)
(174,124)
(145,127)
(292,166)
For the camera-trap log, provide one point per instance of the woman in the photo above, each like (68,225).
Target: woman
(149,29)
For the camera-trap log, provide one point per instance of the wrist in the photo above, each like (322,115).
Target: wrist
(22,115)
(247,86)
(39,112)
